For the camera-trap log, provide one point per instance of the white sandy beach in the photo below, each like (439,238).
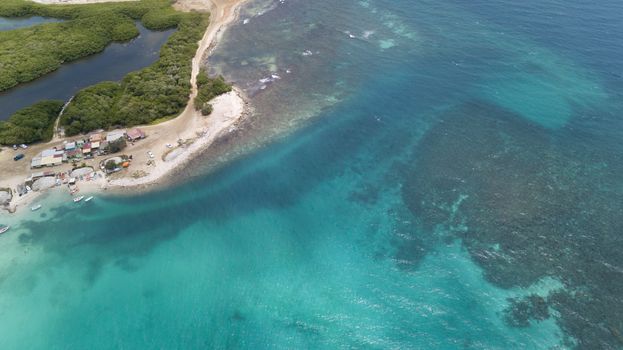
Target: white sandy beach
(196,131)
(228,111)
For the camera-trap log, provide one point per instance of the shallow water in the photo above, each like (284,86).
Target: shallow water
(453,183)
(117,60)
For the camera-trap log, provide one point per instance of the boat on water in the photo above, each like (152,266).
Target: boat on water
(3,229)
(88,199)
(36,207)
(78,199)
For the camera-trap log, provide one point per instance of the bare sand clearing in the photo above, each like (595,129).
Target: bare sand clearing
(195,131)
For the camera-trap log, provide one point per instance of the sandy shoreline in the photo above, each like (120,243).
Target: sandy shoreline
(196,131)
(229,109)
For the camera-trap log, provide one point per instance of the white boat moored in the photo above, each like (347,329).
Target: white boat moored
(88,199)
(36,207)
(78,199)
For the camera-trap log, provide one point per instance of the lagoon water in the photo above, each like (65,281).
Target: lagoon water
(16,23)
(449,177)
(117,60)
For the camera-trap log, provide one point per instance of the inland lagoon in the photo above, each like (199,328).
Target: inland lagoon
(414,175)
(112,64)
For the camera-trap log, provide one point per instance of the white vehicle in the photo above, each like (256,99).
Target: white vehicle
(23,146)
(15,147)
(169,145)
(150,154)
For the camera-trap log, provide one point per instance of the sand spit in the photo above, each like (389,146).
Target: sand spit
(229,109)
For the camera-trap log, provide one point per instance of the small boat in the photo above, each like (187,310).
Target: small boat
(36,207)
(3,229)
(88,199)
(78,199)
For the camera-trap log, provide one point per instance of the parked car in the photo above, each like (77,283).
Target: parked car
(15,147)
(150,154)
(18,157)
(23,146)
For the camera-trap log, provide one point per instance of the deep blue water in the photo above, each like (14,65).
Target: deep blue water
(448,178)
(117,60)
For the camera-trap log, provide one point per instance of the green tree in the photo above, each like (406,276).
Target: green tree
(117,145)
(110,165)
(206,109)
(209,88)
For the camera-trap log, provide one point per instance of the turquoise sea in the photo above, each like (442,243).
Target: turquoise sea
(417,174)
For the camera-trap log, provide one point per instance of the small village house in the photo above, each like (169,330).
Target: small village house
(96,137)
(86,149)
(96,140)
(115,135)
(49,157)
(70,146)
(135,134)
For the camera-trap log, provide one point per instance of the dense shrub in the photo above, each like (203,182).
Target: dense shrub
(206,109)
(91,109)
(31,124)
(116,146)
(110,165)
(209,88)
(161,19)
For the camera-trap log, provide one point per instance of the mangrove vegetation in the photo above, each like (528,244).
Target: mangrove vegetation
(31,124)
(153,94)
(29,53)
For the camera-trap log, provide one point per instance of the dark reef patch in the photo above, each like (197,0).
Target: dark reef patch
(367,194)
(238,316)
(522,310)
(535,203)
(410,253)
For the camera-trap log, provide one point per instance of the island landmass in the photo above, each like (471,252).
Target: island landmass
(177,117)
